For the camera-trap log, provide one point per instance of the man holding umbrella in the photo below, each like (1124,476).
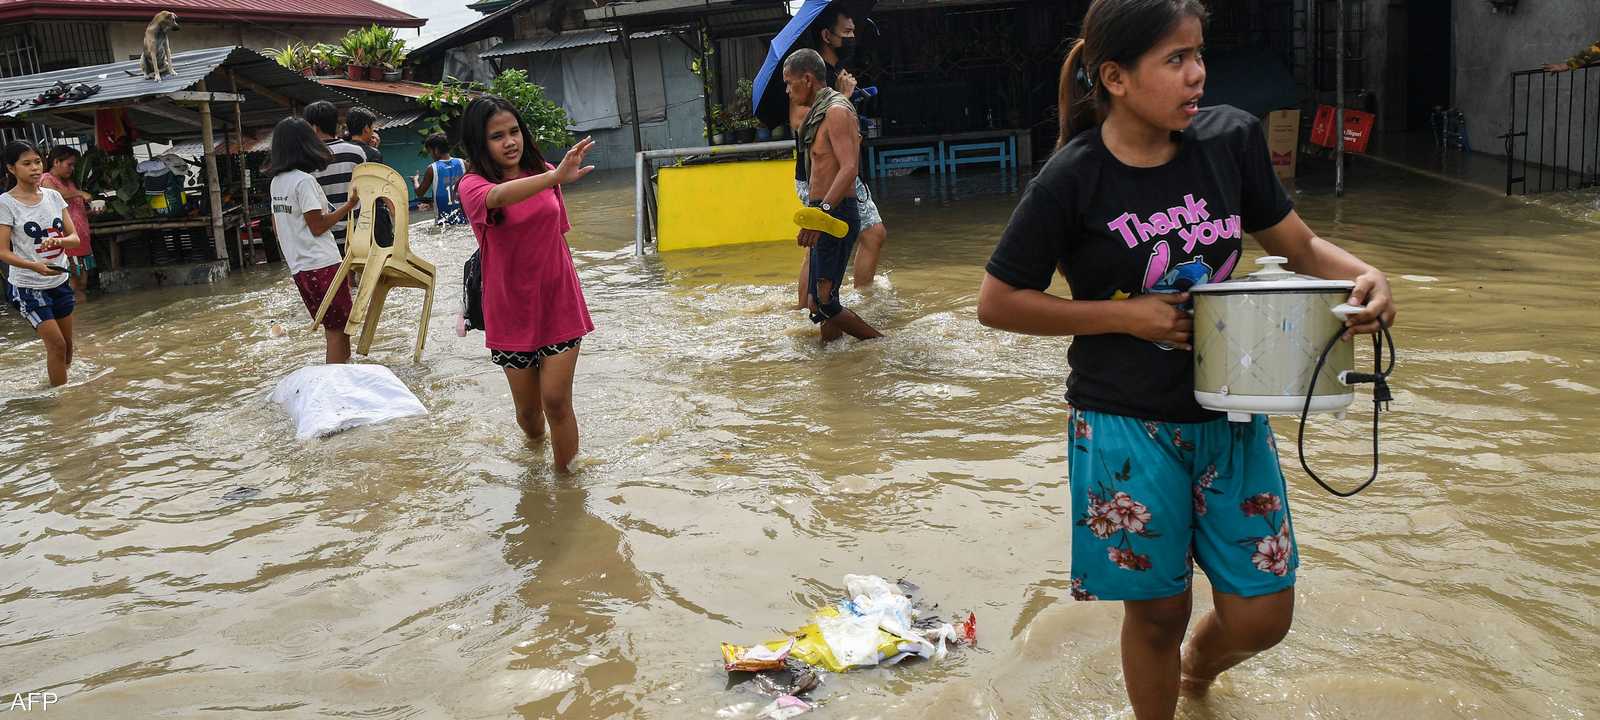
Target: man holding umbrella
(830,26)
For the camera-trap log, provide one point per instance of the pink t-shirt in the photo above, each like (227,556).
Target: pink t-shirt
(77,208)
(531,296)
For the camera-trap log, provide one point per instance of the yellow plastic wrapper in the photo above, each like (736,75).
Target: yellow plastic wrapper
(756,658)
(811,649)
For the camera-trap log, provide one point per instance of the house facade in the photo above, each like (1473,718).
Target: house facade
(584,67)
(44,35)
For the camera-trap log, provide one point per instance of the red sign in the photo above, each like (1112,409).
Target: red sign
(1357,128)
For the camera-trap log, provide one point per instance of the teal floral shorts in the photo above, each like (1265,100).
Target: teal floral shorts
(1152,499)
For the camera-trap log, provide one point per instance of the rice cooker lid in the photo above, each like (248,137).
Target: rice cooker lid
(1273,277)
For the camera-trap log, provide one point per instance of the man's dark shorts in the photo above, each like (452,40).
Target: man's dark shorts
(829,258)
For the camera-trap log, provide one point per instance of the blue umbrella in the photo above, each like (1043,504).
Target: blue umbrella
(768,98)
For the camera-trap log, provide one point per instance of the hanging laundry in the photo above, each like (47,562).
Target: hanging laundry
(163,188)
(113,130)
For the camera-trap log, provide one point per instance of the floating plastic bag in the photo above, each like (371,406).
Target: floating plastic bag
(872,596)
(325,399)
(881,624)
(852,639)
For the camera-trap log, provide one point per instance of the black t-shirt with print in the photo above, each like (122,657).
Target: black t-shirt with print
(1119,231)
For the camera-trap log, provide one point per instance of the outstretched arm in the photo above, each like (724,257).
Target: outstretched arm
(570,169)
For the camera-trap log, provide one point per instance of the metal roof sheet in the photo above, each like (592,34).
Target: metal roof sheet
(562,41)
(336,12)
(262,82)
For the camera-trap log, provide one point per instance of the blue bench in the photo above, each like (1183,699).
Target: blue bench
(928,156)
(1002,153)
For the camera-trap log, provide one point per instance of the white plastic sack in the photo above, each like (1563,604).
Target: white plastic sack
(853,639)
(325,399)
(873,595)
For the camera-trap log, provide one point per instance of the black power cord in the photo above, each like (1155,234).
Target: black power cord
(1380,399)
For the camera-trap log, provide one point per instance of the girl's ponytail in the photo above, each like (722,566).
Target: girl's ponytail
(1076,99)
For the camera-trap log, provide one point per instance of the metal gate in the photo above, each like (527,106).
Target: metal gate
(1553,143)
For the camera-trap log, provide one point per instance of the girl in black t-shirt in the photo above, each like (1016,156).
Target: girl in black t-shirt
(1146,195)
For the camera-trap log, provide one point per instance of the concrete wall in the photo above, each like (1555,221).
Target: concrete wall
(1489,47)
(127,38)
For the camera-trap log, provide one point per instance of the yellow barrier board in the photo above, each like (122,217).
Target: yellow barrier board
(726,203)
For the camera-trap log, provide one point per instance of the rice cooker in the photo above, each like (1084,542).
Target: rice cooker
(1269,344)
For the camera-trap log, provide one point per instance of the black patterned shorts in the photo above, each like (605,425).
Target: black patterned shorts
(524,360)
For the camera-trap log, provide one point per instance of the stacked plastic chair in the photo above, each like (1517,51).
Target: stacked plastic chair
(381,268)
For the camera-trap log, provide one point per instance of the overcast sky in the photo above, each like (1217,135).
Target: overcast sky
(444,17)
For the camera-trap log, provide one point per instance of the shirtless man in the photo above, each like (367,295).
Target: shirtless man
(836,42)
(829,142)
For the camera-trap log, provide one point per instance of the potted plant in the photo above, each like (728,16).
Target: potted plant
(393,57)
(387,51)
(721,126)
(352,51)
(744,130)
(294,56)
(742,125)
(324,60)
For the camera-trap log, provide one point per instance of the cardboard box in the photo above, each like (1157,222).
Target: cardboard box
(1283,140)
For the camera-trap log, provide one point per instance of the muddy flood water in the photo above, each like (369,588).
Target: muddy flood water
(733,473)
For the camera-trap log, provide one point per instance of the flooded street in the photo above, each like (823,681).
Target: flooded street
(732,473)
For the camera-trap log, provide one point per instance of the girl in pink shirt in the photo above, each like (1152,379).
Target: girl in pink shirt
(59,168)
(533,307)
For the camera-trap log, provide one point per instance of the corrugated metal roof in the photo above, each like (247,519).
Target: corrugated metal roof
(335,12)
(562,41)
(122,85)
(401,120)
(673,12)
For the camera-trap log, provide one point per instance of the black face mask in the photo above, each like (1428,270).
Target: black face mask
(847,47)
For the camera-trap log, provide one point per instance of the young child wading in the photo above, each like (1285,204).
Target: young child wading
(304,222)
(440,180)
(1158,483)
(533,307)
(35,232)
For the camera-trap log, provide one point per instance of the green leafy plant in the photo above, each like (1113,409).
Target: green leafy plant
(447,100)
(295,56)
(99,173)
(742,96)
(324,58)
(722,121)
(353,49)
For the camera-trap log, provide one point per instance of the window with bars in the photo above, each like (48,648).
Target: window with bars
(31,48)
